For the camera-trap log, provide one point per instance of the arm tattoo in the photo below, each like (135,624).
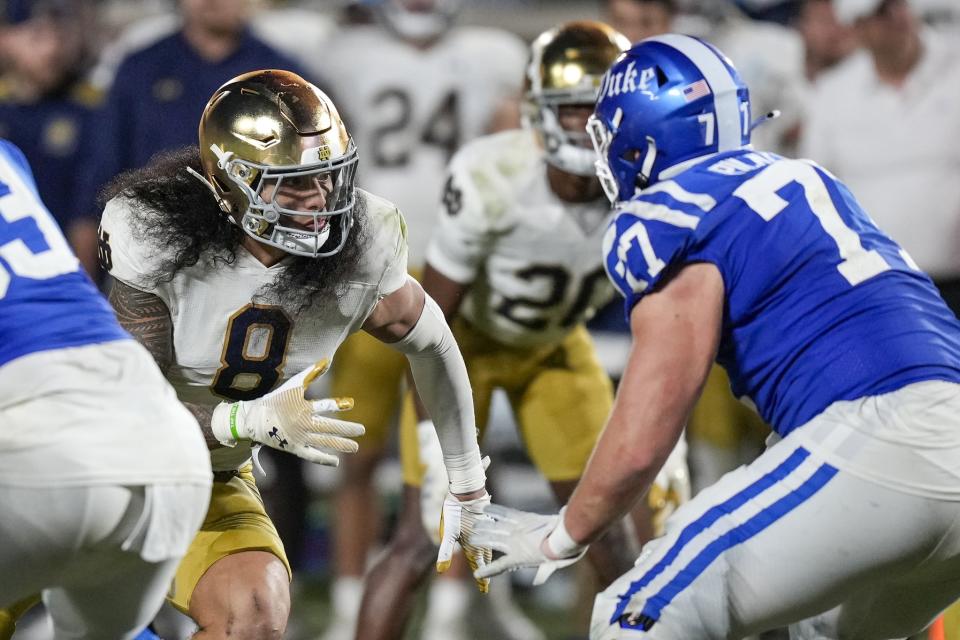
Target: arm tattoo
(147,318)
(204,414)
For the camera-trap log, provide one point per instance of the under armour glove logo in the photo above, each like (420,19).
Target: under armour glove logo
(275,434)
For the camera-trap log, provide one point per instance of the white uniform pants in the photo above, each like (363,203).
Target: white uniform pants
(793,538)
(104,481)
(84,548)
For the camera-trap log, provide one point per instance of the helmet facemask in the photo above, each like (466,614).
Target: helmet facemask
(633,162)
(567,149)
(567,64)
(280,162)
(601,137)
(275,194)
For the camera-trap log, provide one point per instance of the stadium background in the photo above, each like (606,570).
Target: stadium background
(765,35)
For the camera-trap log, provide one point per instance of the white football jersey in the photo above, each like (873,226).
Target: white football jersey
(229,346)
(534,261)
(409,109)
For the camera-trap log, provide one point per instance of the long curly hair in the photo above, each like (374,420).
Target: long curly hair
(177,214)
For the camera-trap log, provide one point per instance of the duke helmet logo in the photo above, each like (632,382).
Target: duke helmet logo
(626,81)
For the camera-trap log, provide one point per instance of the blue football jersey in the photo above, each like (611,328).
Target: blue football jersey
(46,300)
(821,306)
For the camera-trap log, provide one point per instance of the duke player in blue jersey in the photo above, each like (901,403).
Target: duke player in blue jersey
(98,507)
(848,526)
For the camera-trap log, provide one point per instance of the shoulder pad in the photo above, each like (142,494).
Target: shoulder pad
(649,233)
(485,174)
(123,253)
(384,258)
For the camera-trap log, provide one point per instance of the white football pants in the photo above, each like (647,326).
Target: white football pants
(794,540)
(83,551)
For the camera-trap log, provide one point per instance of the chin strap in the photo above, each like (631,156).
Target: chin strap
(646,168)
(223,204)
(222,159)
(203,179)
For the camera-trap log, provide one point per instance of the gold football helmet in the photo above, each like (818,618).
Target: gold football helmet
(280,162)
(566,66)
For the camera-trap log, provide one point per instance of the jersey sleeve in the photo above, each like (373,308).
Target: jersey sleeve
(648,235)
(465,228)
(122,254)
(17,157)
(395,274)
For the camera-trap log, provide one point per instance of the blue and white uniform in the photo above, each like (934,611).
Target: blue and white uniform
(47,301)
(812,286)
(100,465)
(847,526)
(847,350)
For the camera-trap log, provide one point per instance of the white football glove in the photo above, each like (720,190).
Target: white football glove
(286,420)
(671,487)
(522,538)
(458,521)
(435,484)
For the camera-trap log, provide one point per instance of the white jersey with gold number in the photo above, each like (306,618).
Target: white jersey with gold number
(229,346)
(533,260)
(409,109)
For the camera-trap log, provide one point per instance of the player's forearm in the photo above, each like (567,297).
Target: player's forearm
(675,336)
(441,380)
(146,317)
(448,295)
(622,467)
(204,414)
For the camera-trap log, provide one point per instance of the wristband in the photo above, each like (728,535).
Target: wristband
(560,543)
(223,423)
(466,472)
(233,420)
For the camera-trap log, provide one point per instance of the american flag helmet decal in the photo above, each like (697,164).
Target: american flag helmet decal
(696,90)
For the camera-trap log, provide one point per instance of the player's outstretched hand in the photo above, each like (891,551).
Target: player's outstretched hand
(458,523)
(286,420)
(522,539)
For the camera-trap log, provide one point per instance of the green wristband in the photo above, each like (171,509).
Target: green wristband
(233,420)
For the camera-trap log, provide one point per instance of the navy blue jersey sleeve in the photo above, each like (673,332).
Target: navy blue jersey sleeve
(650,233)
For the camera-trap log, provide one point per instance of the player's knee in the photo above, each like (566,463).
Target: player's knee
(254,613)
(253,607)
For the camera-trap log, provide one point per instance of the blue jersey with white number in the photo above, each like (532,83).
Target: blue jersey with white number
(821,306)
(46,300)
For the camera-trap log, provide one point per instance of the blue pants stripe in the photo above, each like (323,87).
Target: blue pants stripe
(695,528)
(739,534)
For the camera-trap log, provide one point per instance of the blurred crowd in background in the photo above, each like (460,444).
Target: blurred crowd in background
(89,89)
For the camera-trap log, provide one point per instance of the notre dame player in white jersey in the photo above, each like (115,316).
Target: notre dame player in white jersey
(514,265)
(238,265)
(414,86)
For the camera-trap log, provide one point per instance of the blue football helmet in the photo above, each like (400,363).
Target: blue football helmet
(668,99)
